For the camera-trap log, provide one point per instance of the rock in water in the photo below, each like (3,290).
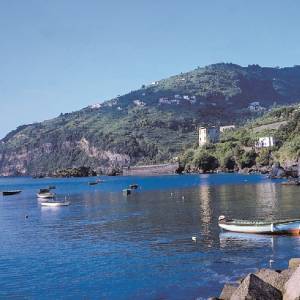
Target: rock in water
(254,288)
(292,287)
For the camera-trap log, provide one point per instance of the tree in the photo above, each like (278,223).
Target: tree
(205,161)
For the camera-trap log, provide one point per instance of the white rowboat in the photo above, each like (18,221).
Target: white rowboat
(289,226)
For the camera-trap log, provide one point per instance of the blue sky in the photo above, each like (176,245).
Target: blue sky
(62,55)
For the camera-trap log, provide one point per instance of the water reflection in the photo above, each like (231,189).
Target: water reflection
(230,240)
(267,199)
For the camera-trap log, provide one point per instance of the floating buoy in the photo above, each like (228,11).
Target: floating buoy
(26,217)
(194,238)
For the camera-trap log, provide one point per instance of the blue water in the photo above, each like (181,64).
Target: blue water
(107,246)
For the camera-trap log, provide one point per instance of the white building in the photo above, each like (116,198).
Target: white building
(96,106)
(255,106)
(265,142)
(225,128)
(208,135)
(139,102)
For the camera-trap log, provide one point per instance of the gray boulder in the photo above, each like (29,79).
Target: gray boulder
(227,291)
(254,288)
(292,287)
(272,277)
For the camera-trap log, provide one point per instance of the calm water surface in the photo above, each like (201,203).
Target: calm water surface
(107,246)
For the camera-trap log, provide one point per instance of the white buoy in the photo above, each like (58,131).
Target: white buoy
(194,238)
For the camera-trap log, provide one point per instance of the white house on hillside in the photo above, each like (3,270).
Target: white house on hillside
(228,127)
(255,106)
(265,142)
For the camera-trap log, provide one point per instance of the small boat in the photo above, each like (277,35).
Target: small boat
(45,195)
(133,186)
(291,182)
(288,226)
(55,204)
(126,192)
(93,183)
(51,187)
(10,193)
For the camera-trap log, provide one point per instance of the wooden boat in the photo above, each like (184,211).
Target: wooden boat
(45,195)
(288,226)
(133,186)
(126,192)
(55,204)
(10,193)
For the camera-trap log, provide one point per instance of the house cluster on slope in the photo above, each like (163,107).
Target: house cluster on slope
(211,135)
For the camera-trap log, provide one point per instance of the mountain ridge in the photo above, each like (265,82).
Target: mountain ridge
(152,124)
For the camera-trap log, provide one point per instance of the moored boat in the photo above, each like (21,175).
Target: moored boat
(133,186)
(291,182)
(55,204)
(126,192)
(288,226)
(93,183)
(10,193)
(45,195)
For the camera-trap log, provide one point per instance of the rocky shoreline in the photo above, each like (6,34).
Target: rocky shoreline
(266,284)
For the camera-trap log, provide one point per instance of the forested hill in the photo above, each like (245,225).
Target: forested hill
(149,125)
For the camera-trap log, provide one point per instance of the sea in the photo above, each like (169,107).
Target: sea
(106,245)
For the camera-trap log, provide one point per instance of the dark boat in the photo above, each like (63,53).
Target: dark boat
(126,192)
(93,183)
(10,193)
(133,186)
(51,187)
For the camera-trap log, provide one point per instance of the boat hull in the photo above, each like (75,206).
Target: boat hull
(46,195)
(55,204)
(10,193)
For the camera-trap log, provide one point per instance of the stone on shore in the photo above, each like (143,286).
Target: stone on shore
(227,291)
(292,287)
(272,277)
(253,287)
(294,263)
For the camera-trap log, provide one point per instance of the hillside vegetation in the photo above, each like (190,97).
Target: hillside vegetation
(151,125)
(236,149)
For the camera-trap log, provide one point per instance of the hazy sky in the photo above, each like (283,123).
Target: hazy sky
(62,55)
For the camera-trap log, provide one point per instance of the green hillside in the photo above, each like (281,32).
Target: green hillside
(237,148)
(149,125)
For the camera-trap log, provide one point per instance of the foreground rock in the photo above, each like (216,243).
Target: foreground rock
(227,291)
(253,287)
(292,287)
(266,284)
(272,277)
